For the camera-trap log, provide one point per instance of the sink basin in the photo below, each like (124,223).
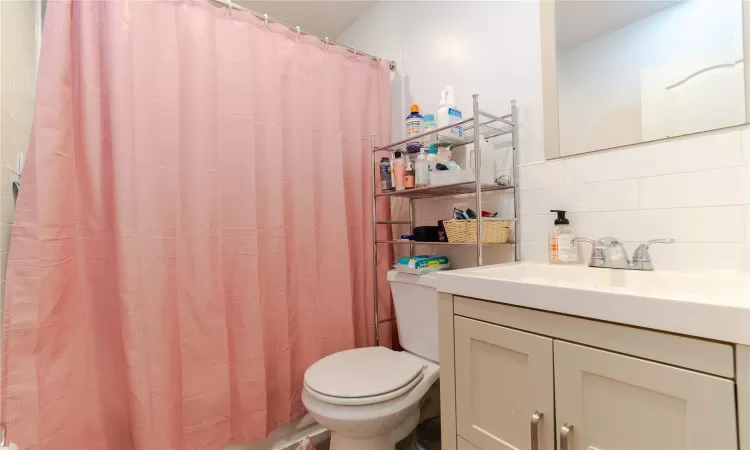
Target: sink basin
(711,305)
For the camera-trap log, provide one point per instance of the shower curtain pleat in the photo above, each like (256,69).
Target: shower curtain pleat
(194,229)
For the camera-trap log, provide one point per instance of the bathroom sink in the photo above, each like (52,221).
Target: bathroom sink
(711,305)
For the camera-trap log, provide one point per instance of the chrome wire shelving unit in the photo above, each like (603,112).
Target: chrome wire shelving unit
(480,123)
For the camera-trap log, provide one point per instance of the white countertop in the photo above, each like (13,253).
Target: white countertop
(708,305)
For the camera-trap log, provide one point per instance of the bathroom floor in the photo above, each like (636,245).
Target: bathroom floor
(406,444)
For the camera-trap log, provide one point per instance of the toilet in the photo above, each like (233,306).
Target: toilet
(369,398)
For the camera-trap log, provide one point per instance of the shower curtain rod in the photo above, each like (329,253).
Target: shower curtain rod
(265,18)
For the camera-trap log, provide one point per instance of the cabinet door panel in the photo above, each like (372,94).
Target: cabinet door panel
(617,402)
(503,377)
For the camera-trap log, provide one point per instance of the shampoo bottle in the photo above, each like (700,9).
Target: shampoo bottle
(409,177)
(422,170)
(448,113)
(399,169)
(562,249)
(414,122)
(429,124)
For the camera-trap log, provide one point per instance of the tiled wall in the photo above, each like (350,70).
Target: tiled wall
(693,189)
(18,63)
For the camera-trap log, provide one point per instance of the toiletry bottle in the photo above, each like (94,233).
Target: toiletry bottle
(399,167)
(385,175)
(422,170)
(393,175)
(409,177)
(444,154)
(428,125)
(432,158)
(414,122)
(562,249)
(448,113)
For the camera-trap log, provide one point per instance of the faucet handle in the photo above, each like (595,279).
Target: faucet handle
(641,253)
(597,251)
(641,256)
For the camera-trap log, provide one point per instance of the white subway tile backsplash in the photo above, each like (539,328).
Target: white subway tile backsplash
(534,250)
(536,227)
(699,256)
(706,151)
(707,188)
(695,189)
(543,175)
(684,256)
(609,196)
(725,224)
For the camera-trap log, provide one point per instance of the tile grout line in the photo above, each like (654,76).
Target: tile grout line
(566,185)
(732,205)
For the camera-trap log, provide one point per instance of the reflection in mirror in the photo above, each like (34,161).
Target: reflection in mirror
(635,71)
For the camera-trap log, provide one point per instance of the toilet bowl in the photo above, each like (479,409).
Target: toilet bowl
(369,398)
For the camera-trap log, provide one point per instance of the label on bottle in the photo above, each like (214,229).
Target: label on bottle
(413,127)
(566,249)
(454,116)
(552,247)
(386,184)
(409,181)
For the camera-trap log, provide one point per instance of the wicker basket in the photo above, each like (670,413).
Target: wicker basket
(494,231)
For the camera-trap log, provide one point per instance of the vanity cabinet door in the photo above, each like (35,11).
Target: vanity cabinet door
(503,377)
(615,402)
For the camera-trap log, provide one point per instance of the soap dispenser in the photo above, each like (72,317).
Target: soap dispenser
(562,249)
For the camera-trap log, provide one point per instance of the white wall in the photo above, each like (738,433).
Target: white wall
(600,80)
(694,189)
(18,62)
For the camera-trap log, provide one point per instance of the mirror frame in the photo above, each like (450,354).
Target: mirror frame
(548,38)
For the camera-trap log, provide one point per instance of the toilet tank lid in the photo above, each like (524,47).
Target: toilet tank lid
(427,279)
(363,372)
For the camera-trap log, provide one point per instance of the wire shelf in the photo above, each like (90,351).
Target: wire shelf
(445,136)
(473,244)
(441,190)
(480,123)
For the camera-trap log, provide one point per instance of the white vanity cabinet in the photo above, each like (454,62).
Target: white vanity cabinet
(503,377)
(517,378)
(612,401)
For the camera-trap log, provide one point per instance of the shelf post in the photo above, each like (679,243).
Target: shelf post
(516,190)
(477,183)
(374,242)
(411,224)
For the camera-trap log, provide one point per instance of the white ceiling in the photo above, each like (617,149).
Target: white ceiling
(578,21)
(322,18)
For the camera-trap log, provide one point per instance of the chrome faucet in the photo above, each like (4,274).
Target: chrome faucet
(609,253)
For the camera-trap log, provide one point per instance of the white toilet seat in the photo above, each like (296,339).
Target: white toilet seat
(362,401)
(363,376)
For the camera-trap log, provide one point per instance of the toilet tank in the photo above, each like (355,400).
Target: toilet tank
(415,300)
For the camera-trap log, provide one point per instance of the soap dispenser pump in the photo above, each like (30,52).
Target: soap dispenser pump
(561,245)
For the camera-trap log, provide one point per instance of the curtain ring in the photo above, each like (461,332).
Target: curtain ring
(265,20)
(298,32)
(229,7)
(355,53)
(327,43)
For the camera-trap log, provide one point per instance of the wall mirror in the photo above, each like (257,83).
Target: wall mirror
(622,72)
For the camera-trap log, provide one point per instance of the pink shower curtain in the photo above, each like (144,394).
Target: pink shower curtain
(193,229)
